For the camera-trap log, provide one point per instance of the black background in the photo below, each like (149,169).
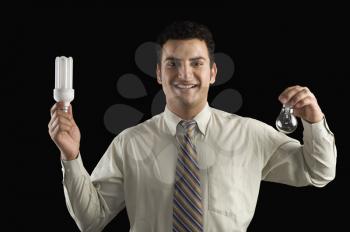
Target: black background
(271,51)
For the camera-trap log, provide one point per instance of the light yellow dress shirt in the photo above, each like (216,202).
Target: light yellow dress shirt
(137,171)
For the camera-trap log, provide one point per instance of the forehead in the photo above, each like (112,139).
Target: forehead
(185,49)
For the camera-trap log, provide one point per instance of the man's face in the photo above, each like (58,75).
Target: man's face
(185,73)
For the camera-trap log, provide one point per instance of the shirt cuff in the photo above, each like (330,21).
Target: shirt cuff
(314,130)
(73,168)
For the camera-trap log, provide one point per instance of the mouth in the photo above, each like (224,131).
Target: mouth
(182,86)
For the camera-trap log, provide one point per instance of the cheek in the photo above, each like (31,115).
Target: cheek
(205,82)
(204,76)
(167,87)
(167,75)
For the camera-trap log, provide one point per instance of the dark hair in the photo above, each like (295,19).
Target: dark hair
(182,30)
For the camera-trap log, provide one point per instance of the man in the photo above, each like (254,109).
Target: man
(192,167)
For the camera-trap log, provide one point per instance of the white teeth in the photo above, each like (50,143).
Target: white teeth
(185,86)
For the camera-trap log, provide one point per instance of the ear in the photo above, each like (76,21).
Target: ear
(159,77)
(213,72)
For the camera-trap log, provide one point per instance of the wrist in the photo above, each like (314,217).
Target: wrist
(316,119)
(68,157)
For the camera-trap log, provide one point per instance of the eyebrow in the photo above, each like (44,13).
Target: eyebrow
(191,59)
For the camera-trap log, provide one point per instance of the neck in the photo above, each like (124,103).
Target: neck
(186,112)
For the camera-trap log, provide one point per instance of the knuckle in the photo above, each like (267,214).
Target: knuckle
(53,108)
(53,114)
(54,118)
(60,127)
(54,121)
(55,136)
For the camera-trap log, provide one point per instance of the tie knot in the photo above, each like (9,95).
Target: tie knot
(189,126)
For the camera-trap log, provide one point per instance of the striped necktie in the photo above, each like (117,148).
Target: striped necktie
(188,206)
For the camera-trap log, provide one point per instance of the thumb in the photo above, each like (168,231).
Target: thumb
(70,110)
(297,113)
(60,105)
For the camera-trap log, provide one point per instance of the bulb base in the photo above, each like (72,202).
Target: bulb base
(64,95)
(65,108)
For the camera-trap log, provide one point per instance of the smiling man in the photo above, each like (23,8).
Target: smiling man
(192,167)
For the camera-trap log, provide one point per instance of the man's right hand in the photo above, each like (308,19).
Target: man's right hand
(64,131)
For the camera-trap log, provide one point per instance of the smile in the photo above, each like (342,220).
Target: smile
(185,86)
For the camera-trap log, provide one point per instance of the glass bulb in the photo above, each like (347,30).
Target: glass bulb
(286,122)
(64,72)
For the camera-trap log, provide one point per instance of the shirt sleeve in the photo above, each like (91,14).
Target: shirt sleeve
(289,162)
(94,200)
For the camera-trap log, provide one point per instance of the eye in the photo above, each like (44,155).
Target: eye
(171,64)
(197,63)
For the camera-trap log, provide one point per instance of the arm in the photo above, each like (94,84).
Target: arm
(314,162)
(94,201)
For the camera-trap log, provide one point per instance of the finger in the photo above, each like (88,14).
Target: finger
(58,130)
(53,109)
(67,116)
(60,121)
(70,110)
(297,112)
(53,118)
(61,128)
(56,106)
(285,95)
(304,102)
(73,123)
(70,113)
(54,132)
(52,125)
(61,113)
(287,89)
(303,93)
(64,121)
(288,93)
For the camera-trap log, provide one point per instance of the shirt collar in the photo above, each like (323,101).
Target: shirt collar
(202,119)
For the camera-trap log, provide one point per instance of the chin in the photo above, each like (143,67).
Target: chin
(189,104)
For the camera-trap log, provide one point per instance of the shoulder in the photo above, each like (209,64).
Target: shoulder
(225,118)
(247,123)
(150,126)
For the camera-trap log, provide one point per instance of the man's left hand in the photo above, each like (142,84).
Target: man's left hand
(303,102)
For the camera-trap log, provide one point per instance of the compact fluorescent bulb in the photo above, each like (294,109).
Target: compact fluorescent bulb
(64,91)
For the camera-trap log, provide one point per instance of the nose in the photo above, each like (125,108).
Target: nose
(185,71)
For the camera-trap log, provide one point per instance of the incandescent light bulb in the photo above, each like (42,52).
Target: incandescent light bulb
(286,122)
